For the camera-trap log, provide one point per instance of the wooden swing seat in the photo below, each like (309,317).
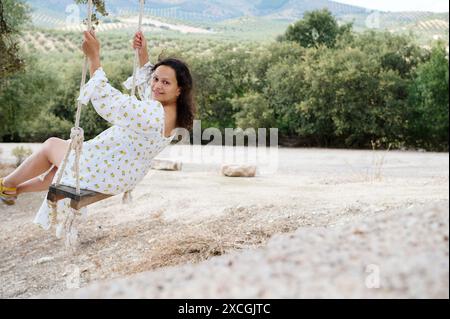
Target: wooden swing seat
(77,201)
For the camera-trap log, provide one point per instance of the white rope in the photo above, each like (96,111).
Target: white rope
(77,138)
(71,232)
(127,198)
(43,176)
(77,134)
(136,51)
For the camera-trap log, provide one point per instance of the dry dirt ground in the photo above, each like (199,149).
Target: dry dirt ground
(327,223)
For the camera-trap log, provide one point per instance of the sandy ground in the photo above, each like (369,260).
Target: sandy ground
(344,261)
(327,223)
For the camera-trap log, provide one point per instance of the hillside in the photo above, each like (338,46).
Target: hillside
(239,19)
(216,10)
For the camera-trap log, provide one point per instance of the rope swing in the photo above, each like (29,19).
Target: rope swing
(127,195)
(82,198)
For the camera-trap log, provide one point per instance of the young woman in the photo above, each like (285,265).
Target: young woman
(118,159)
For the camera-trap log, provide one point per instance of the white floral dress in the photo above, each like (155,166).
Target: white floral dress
(119,158)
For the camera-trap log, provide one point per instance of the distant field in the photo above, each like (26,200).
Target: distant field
(52,35)
(43,41)
(426,27)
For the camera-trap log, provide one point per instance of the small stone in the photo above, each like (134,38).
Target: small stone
(359,232)
(166,165)
(44,260)
(236,170)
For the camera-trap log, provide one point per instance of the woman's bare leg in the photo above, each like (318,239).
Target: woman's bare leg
(36,185)
(51,153)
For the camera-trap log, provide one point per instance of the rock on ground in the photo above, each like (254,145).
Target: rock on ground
(239,170)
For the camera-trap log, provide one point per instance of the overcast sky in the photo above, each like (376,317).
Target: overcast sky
(401,5)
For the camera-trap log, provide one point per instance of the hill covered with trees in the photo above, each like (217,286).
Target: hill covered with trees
(321,84)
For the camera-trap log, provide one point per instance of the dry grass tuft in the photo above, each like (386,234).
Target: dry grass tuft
(373,173)
(193,243)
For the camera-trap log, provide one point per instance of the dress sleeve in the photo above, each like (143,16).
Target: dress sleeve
(121,109)
(143,76)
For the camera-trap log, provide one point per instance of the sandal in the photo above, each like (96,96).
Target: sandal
(8,199)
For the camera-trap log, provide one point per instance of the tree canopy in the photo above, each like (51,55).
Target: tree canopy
(317,28)
(13,16)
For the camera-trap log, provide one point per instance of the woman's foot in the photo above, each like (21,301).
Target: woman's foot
(8,195)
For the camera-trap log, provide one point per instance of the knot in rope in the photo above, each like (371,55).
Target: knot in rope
(77,137)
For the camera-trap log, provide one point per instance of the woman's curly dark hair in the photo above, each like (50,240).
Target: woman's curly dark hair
(186,108)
